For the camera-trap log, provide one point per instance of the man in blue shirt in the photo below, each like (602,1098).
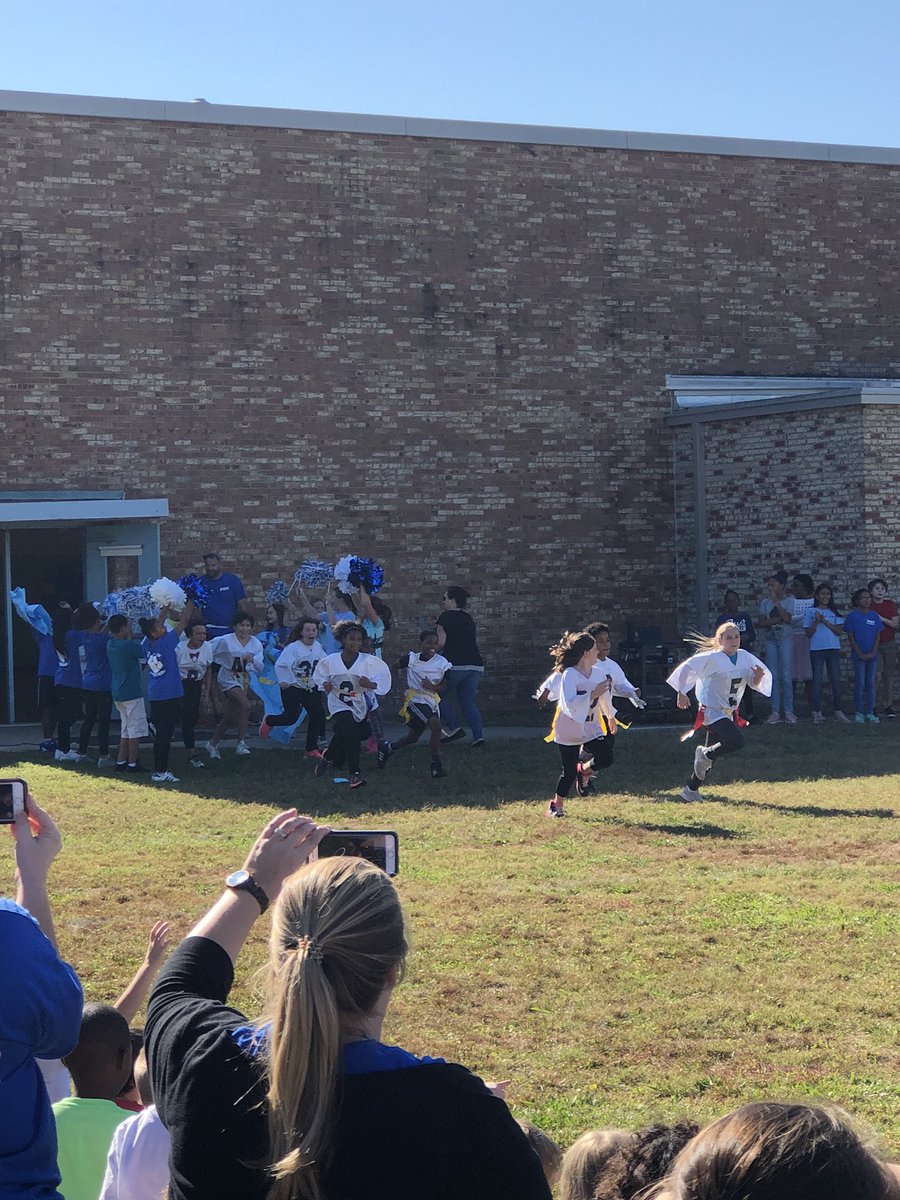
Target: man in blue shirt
(40,1016)
(225,595)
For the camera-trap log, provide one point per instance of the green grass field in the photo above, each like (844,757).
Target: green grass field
(645,958)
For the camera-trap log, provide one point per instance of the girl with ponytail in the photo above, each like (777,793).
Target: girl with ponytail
(308,1103)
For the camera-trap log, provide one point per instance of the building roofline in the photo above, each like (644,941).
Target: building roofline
(802,402)
(202,113)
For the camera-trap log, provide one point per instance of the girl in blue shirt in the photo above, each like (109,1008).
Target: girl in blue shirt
(97,688)
(164,686)
(823,625)
(863,627)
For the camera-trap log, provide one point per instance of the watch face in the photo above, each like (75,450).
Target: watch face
(236,878)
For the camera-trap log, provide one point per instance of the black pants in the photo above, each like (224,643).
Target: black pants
(165,715)
(729,737)
(68,710)
(346,740)
(296,699)
(97,710)
(603,750)
(570,756)
(190,711)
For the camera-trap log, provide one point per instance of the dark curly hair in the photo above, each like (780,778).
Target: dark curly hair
(644,1159)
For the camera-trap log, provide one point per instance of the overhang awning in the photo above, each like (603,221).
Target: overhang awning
(78,512)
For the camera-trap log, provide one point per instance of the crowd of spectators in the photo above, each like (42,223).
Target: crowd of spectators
(305,1101)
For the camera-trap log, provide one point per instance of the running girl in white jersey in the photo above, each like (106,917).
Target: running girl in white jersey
(719,672)
(345,678)
(576,722)
(619,685)
(425,673)
(237,654)
(294,669)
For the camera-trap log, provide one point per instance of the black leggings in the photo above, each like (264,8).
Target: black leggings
(296,699)
(345,742)
(97,710)
(165,715)
(68,710)
(729,737)
(190,711)
(570,756)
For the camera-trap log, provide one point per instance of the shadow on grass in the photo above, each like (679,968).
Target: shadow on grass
(700,829)
(803,810)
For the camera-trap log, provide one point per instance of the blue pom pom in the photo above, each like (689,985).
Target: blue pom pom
(366,572)
(195,589)
(133,602)
(278,593)
(314,573)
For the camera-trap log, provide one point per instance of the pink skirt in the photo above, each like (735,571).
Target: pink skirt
(802,663)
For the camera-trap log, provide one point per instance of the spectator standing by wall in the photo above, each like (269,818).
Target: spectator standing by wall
(776,617)
(887,642)
(458,643)
(40,1015)
(226,591)
(801,601)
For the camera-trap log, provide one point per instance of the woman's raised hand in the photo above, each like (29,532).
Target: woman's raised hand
(282,848)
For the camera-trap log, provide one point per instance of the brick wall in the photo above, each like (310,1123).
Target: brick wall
(447,354)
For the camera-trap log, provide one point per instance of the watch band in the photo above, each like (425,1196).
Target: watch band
(243,881)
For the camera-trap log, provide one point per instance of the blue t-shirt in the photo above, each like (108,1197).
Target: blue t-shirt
(822,637)
(124,657)
(327,640)
(225,596)
(745,626)
(360,1058)
(40,1017)
(48,659)
(68,673)
(865,626)
(163,675)
(97,676)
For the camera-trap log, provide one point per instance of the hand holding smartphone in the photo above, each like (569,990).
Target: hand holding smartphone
(12,799)
(378,846)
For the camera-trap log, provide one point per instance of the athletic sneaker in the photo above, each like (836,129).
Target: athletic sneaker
(702,762)
(860,718)
(314,754)
(790,718)
(476,743)
(65,756)
(265,728)
(385,750)
(242,749)
(555,810)
(121,766)
(213,750)
(48,745)
(582,779)
(842,717)
(164,777)
(437,771)
(356,780)
(773,719)
(889,713)
(818,719)
(106,761)
(688,793)
(871,717)
(447,738)
(196,762)
(321,767)
(81,758)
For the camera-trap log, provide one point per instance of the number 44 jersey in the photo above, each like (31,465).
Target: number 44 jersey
(719,682)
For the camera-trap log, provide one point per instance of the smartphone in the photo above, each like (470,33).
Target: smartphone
(378,846)
(12,799)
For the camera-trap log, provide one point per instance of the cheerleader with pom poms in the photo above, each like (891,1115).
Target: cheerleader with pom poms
(719,671)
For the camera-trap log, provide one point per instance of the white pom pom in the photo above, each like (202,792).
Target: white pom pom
(167,594)
(342,574)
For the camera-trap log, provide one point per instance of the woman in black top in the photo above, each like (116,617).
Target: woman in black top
(308,1103)
(458,643)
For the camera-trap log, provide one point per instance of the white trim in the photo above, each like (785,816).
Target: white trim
(697,391)
(79,512)
(202,113)
(121,551)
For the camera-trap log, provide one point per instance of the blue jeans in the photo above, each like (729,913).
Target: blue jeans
(780,661)
(461,690)
(864,684)
(822,661)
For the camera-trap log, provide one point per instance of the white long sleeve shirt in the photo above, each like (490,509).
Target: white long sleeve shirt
(296,663)
(346,693)
(722,682)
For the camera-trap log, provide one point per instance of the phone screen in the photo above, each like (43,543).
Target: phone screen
(378,846)
(12,799)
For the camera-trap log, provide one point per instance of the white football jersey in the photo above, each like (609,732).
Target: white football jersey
(228,652)
(419,674)
(346,693)
(296,663)
(722,682)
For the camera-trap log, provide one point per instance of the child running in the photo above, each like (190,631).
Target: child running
(236,653)
(294,669)
(345,678)
(619,685)
(721,670)
(425,673)
(576,721)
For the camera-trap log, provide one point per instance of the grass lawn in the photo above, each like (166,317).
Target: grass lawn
(645,958)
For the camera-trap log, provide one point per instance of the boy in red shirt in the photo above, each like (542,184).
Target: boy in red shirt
(887,641)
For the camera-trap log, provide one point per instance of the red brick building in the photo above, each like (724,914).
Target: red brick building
(456,347)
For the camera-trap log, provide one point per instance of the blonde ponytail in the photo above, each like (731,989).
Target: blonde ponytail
(337,942)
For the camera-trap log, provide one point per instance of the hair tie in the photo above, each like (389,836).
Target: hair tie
(309,945)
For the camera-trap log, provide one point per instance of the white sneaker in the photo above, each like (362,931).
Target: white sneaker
(702,762)
(66,756)
(213,750)
(688,793)
(818,718)
(105,762)
(842,717)
(164,777)
(242,748)
(196,762)
(790,718)
(773,719)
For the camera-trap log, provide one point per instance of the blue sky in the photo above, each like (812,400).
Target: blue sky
(802,71)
